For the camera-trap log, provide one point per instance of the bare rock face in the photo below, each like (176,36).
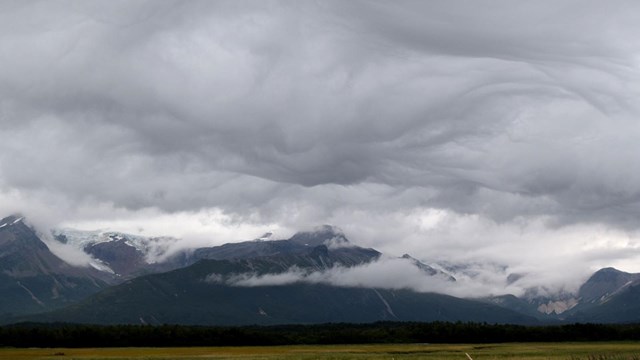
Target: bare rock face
(124,259)
(558,306)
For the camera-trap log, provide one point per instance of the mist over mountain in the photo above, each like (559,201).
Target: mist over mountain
(311,277)
(276,282)
(345,264)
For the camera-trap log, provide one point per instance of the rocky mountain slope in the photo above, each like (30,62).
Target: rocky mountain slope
(205,294)
(608,296)
(33,279)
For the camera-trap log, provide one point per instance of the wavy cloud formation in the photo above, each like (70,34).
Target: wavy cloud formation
(290,114)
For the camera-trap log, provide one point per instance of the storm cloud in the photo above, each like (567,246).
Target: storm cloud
(492,129)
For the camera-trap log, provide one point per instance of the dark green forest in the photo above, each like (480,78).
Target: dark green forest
(73,335)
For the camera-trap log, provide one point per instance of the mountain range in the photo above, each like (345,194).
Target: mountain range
(132,279)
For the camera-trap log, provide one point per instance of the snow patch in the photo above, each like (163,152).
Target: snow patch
(154,249)
(100,266)
(35,298)
(386,304)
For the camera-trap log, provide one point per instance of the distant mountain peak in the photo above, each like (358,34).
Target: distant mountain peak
(514,277)
(328,229)
(608,271)
(14,230)
(604,283)
(321,235)
(11,220)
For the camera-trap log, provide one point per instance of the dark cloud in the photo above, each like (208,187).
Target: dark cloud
(293,113)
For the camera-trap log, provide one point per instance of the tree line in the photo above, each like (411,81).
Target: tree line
(76,335)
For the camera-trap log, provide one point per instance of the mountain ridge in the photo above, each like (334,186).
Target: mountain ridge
(190,296)
(37,281)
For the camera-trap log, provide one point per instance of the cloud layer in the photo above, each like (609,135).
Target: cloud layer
(515,122)
(476,281)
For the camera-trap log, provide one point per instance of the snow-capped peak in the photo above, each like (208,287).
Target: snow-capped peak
(11,220)
(82,239)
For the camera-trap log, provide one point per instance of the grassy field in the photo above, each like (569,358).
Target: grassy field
(529,351)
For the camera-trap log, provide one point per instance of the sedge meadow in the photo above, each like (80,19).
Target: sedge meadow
(524,351)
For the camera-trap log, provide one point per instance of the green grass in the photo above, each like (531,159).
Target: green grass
(527,351)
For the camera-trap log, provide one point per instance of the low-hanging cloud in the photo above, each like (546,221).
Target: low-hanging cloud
(178,108)
(397,273)
(289,114)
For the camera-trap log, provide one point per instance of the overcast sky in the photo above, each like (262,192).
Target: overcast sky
(504,132)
